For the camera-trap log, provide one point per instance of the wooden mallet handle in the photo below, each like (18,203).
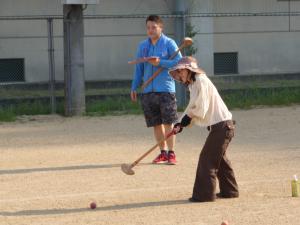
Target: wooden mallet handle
(142,60)
(127,168)
(151,149)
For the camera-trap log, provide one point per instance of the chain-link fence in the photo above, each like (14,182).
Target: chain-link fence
(233,41)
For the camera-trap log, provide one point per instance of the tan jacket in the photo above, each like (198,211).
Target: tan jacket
(206,106)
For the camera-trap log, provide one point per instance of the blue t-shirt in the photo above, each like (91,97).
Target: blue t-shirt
(163,49)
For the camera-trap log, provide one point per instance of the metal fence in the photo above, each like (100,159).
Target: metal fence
(42,49)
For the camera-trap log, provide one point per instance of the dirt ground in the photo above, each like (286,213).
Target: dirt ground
(52,167)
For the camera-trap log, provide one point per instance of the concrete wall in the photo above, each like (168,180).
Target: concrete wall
(264,44)
(109,43)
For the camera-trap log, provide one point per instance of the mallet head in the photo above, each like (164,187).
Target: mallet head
(126,168)
(187,41)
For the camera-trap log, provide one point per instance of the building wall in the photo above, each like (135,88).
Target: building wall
(265,44)
(109,43)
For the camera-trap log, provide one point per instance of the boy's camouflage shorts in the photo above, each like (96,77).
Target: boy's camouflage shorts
(159,108)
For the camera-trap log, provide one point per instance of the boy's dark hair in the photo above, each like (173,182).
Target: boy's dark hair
(154,18)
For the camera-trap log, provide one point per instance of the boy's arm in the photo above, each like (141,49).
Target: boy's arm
(168,63)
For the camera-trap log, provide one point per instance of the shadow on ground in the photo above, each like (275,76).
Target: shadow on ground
(63,168)
(105,208)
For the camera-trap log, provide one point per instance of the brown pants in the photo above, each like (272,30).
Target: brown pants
(214,164)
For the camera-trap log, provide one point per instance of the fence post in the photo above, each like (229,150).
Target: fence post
(74,60)
(179,35)
(51,65)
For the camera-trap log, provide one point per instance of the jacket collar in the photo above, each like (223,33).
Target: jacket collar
(162,36)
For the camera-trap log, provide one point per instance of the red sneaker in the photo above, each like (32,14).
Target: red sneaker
(172,158)
(161,158)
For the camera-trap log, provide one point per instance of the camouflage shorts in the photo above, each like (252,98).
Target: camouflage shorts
(159,108)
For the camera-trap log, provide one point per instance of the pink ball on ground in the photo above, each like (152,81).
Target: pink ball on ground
(224,223)
(93,205)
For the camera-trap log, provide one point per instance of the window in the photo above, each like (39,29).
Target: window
(226,63)
(11,70)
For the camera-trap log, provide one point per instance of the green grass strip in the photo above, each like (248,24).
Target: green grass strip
(111,106)
(238,99)
(245,99)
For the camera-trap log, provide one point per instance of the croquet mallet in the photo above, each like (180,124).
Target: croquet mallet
(127,168)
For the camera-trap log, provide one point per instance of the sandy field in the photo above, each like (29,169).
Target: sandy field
(52,167)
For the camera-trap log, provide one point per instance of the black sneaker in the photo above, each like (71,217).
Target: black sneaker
(193,200)
(221,195)
(196,200)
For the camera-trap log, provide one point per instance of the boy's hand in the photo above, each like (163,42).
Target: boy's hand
(154,61)
(133,96)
